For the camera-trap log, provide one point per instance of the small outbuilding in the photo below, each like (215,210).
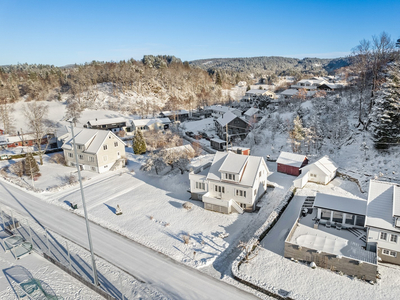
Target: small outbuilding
(291,163)
(322,171)
(218,144)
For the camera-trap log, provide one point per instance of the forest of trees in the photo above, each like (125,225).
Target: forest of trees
(271,65)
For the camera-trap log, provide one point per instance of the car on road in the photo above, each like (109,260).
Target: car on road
(5,156)
(189,133)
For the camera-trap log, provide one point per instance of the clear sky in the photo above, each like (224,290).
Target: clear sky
(63,32)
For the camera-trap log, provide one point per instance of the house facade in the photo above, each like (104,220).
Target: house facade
(383,220)
(113,124)
(237,127)
(98,151)
(234,182)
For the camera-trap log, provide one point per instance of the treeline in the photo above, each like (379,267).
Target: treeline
(272,65)
(173,82)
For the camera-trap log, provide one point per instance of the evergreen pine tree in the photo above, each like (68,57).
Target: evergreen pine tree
(218,79)
(30,165)
(386,111)
(139,144)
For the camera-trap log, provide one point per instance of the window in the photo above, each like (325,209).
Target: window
(233,177)
(383,236)
(393,238)
(337,217)
(390,253)
(115,144)
(259,174)
(325,214)
(360,220)
(350,219)
(105,157)
(91,158)
(80,156)
(230,176)
(105,147)
(200,185)
(79,147)
(70,155)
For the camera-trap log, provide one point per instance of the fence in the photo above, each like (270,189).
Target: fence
(56,250)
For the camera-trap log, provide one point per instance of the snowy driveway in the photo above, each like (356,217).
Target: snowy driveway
(164,275)
(275,239)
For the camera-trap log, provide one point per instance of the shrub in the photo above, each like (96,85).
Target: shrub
(59,158)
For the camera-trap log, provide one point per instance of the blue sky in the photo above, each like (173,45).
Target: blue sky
(63,32)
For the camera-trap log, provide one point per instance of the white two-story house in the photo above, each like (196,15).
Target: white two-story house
(97,150)
(383,220)
(234,182)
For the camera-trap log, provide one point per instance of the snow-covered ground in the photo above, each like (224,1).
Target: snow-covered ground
(35,266)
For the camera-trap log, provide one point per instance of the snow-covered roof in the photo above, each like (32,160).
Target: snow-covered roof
(182,148)
(233,163)
(218,108)
(343,204)
(251,111)
(256,92)
(325,164)
(19,138)
(92,138)
(177,112)
(252,164)
(98,122)
(226,118)
(217,140)
(383,205)
(148,122)
(289,92)
(291,159)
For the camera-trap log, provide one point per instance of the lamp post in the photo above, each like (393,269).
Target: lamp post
(96,280)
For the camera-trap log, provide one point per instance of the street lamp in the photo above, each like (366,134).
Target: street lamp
(96,280)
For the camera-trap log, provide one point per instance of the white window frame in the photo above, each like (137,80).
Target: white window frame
(105,147)
(115,144)
(383,236)
(393,238)
(90,158)
(81,157)
(389,252)
(105,158)
(71,155)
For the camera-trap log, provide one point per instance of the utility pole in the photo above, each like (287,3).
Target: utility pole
(226,134)
(96,280)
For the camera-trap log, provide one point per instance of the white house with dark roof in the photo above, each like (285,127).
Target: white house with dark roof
(383,220)
(322,171)
(234,182)
(97,150)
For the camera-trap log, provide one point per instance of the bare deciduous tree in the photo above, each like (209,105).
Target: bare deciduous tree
(36,118)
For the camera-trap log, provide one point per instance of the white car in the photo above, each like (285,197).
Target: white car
(5,156)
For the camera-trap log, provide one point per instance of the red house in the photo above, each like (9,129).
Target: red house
(291,163)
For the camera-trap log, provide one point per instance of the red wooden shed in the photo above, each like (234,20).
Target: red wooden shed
(291,163)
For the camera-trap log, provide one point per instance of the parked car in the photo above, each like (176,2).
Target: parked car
(189,133)
(5,156)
